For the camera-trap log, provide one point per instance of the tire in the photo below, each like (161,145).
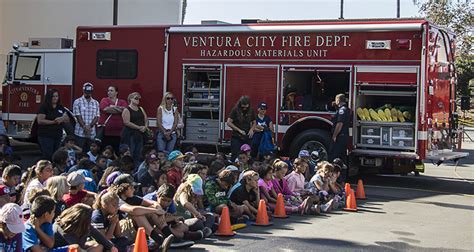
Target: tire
(313,139)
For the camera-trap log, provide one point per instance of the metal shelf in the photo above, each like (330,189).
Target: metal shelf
(387,93)
(403,138)
(204,89)
(194,108)
(369,136)
(376,123)
(384,147)
(203,100)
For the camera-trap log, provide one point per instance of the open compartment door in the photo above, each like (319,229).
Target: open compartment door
(259,82)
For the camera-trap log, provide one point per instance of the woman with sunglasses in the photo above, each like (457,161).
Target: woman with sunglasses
(136,124)
(51,117)
(111,108)
(167,121)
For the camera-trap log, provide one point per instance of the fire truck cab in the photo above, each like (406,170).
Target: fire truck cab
(42,64)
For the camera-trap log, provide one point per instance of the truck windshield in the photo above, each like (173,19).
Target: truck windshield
(28,68)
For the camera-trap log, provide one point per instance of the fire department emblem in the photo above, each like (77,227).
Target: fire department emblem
(24,96)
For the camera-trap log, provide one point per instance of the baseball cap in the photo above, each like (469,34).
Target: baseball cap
(174,155)
(245,147)
(303,154)
(125,179)
(75,178)
(340,163)
(151,157)
(4,190)
(111,178)
(123,148)
(232,168)
(196,183)
(262,105)
(88,87)
(12,216)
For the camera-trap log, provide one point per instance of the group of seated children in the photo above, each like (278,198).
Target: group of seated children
(176,202)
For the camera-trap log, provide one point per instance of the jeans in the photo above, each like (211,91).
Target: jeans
(48,145)
(136,142)
(83,142)
(235,144)
(163,145)
(196,224)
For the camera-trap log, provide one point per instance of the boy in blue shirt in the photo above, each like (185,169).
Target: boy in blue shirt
(39,236)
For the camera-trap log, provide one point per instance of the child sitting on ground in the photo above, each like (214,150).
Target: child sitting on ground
(268,193)
(186,199)
(142,213)
(216,195)
(165,194)
(105,218)
(38,236)
(319,184)
(11,228)
(247,193)
(76,193)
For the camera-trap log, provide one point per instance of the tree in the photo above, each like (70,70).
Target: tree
(458,16)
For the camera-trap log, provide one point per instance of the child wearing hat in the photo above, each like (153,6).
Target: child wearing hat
(11,228)
(77,194)
(263,138)
(175,173)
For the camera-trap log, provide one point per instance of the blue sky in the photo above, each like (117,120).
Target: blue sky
(233,11)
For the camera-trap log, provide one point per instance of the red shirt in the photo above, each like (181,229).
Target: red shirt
(71,199)
(174,177)
(115,124)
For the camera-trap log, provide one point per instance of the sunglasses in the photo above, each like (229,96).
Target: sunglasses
(169,98)
(136,98)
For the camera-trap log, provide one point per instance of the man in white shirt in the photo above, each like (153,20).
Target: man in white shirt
(86,111)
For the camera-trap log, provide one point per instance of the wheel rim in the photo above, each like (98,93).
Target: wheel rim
(313,145)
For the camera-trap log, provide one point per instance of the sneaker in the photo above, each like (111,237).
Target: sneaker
(243,219)
(182,244)
(167,243)
(207,232)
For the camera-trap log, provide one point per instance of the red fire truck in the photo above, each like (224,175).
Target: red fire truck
(398,76)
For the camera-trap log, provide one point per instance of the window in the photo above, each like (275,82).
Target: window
(312,90)
(117,64)
(28,68)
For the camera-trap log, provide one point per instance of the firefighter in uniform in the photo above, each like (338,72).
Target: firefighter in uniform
(340,130)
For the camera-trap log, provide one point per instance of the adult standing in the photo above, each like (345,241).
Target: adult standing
(135,121)
(51,116)
(111,108)
(340,130)
(167,121)
(86,111)
(242,121)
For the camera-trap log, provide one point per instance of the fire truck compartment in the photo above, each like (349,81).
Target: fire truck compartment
(201,96)
(313,89)
(385,119)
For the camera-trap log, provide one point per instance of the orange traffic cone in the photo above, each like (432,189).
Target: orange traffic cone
(73,248)
(262,215)
(280,211)
(140,241)
(225,229)
(347,189)
(351,204)
(360,193)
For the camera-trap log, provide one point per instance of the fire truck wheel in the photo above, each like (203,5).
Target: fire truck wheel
(311,140)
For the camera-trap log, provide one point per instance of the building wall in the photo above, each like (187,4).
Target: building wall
(22,19)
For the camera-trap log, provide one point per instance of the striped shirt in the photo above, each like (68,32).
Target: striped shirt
(88,110)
